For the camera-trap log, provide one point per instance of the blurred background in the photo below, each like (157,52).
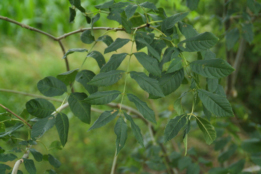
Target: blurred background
(27,56)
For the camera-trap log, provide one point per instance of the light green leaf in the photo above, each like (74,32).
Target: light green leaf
(174,126)
(104,119)
(118,43)
(207,129)
(53,161)
(192,4)
(7,157)
(200,42)
(101,98)
(231,38)
(68,77)
(120,129)
(62,126)
(148,5)
(169,22)
(167,56)
(79,107)
(143,108)
(70,51)
(148,63)
(2,127)
(212,68)
(87,37)
(135,129)
(216,104)
(185,137)
(130,10)
(84,77)
(175,65)
(106,78)
(114,62)
(98,57)
(40,108)
(248,33)
(42,126)
(37,155)
(187,30)
(51,86)
(29,166)
(106,39)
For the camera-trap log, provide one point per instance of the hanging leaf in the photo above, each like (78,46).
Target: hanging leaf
(51,171)
(95,18)
(53,161)
(106,39)
(115,16)
(167,56)
(150,48)
(79,107)
(169,22)
(98,57)
(51,86)
(185,137)
(187,30)
(127,25)
(130,10)
(193,169)
(77,4)
(148,5)
(106,78)
(101,98)
(72,14)
(42,126)
(37,155)
(120,130)
(215,103)
(84,77)
(39,107)
(7,157)
(192,4)
(104,119)
(178,107)
(70,51)
(200,42)
(212,68)
(114,62)
(143,108)
(231,38)
(62,126)
(207,129)
(248,33)
(29,166)
(87,37)
(68,77)
(118,43)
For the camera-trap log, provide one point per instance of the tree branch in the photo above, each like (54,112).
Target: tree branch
(20,161)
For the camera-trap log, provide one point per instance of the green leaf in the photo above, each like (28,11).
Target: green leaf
(236,167)
(2,127)
(104,119)
(68,77)
(29,166)
(143,108)
(105,5)
(192,4)
(178,107)
(72,14)
(185,137)
(120,130)
(248,33)
(114,62)
(51,171)
(37,155)
(227,154)
(62,126)
(51,86)
(40,108)
(148,5)
(88,19)
(98,57)
(207,114)
(252,145)
(118,43)
(169,22)
(215,103)
(175,65)
(87,37)
(77,4)
(254,6)
(106,78)
(212,68)
(221,143)
(146,83)
(200,42)
(70,51)
(207,54)
(4,167)
(212,84)
(103,97)
(106,39)
(231,38)
(53,161)
(84,77)
(42,126)
(130,10)
(187,30)
(79,107)
(95,18)
(207,129)
(256,160)
(148,63)
(15,127)
(167,56)
(7,157)
(115,16)
(127,25)
(135,129)
(174,126)
(150,48)
(147,37)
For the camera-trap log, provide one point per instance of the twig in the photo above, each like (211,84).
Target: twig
(114,162)
(17,116)
(20,161)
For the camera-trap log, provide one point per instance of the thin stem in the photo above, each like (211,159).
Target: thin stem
(114,162)
(192,110)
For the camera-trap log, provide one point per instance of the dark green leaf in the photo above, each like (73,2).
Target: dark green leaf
(212,84)
(174,126)
(118,43)
(192,4)
(62,126)
(101,98)
(41,126)
(227,154)
(148,63)
(87,37)
(187,30)
(95,18)
(88,19)
(2,150)
(207,114)
(130,10)
(127,25)
(135,129)
(37,155)
(51,171)
(106,78)
(114,62)
(150,48)
(212,68)
(252,145)
(7,157)
(200,42)
(39,107)
(175,65)
(143,108)
(115,16)
(80,108)
(105,5)
(70,51)
(184,163)
(169,22)
(106,39)
(77,4)
(221,143)
(193,169)
(84,77)
(147,37)
(68,77)
(207,129)
(120,129)
(2,127)
(248,33)
(207,54)
(254,6)
(53,161)
(236,167)
(104,119)
(167,56)
(148,5)
(178,107)
(51,86)
(4,167)
(72,14)
(146,83)
(157,45)
(256,160)
(216,104)
(98,57)
(231,38)
(29,166)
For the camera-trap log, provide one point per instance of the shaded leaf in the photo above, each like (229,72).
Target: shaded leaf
(118,43)
(106,78)
(120,129)
(29,166)
(169,22)
(70,51)
(127,25)
(53,161)
(87,37)
(207,129)
(254,6)
(62,126)
(4,167)
(212,84)
(175,65)
(104,5)
(148,5)
(72,14)
(114,62)
(150,48)
(130,10)
(51,171)
(39,107)
(231,38)
(103,97)
(147,37)
(192,4)
(236,167)
(178,107)
(68,77)
(187,30)
(37,155)
(106,39)
(98,57)
(7,157)
(252,145)
(227,154)
(84,77)
(248,33)
(42,126)
(193,169)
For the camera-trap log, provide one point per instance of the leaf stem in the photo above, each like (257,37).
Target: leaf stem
(114,162)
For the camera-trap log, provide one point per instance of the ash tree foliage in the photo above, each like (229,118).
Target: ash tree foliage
(161,42)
